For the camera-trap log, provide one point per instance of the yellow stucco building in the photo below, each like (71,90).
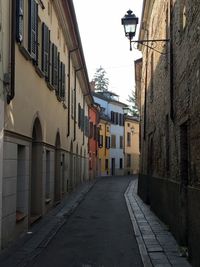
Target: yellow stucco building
(46,116)
(104,147)
(131,145)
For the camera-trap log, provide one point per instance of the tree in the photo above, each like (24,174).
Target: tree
(133,104)
(100,79)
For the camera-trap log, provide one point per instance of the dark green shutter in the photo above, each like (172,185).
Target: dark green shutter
(62,92)
(33,29)
(19,20)
(55,66)
(45,49)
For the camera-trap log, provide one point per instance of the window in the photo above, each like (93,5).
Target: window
(121,119)
(60,90)
(54,66)
(128,139)
(79,115)
(91,130)
(120,163)
(128,163)
(100,141)
(33,29)
(113,141)
(121,141)
(107,142)
(152,77)
(19,20)
(95,132)
(183,17)
(112,116)
(45,50)
(106,164)
(107,128)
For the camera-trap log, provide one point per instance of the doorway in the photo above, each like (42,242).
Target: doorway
(36,193)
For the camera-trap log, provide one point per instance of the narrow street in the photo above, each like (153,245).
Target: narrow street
(99,233)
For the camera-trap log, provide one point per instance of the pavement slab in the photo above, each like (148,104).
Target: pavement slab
(157,245)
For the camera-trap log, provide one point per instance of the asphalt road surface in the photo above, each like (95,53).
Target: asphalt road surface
(98,234)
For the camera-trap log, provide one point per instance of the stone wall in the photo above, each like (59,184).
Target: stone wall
(170,119)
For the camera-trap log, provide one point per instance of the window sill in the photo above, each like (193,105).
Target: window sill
(20,216)
(47,200)
(39,72)
(50,86)
(64,105)
(25,52)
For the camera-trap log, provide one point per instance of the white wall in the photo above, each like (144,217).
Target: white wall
(118,131)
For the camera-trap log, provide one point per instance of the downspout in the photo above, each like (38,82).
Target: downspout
(171,63)
(145,92)
(13,34)
(69,89)
(75,101)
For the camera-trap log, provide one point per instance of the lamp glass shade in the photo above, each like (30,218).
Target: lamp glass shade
(130,21)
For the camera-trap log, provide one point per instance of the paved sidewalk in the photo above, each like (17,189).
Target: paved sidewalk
(156,244)
(31,244)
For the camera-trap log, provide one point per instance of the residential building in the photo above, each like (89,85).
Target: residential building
(112,108)
(131,145)
(104,146)
(5,55)
(45,142)
(169,90)
(93,141)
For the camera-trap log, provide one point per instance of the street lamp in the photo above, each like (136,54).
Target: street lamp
(130,21)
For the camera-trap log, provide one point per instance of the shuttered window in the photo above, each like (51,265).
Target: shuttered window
(54,66)
(107,142)
(62,88)
(100,141)
(19,20)
(33,29)
(113,141)
(45,49)
(79,115)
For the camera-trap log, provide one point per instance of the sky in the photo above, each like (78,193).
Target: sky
(104,43)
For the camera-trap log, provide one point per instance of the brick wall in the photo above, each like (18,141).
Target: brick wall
(170,98)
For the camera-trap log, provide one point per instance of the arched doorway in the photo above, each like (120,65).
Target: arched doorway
(36,188)
(57,188)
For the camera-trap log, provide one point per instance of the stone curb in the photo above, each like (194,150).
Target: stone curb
(156,244)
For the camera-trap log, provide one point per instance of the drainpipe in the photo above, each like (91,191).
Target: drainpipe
(69,83)
(13,34)
(75,101)
(145,92)
(171,63)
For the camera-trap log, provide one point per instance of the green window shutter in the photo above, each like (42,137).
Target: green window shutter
(57,71)
(79,115)
(45,49)
(19,20)
(55,66)
(33,29)
(62,95)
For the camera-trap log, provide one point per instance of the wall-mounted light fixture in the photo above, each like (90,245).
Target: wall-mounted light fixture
(130,21)
(132,130)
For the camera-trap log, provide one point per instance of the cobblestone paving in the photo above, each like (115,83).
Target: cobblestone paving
(157,245)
